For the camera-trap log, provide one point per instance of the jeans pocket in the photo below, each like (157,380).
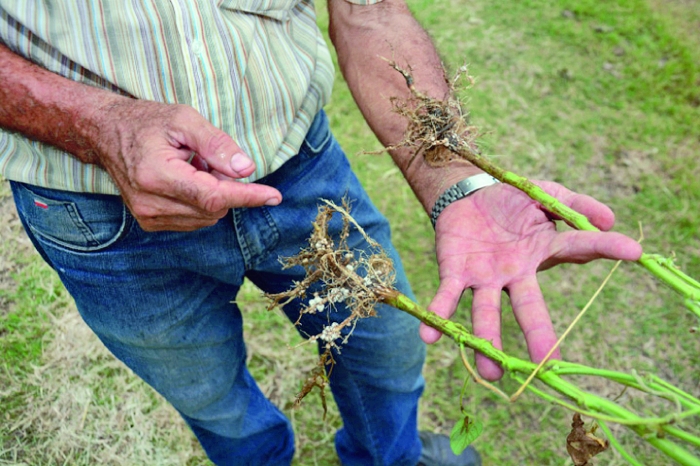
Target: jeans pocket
(78,222)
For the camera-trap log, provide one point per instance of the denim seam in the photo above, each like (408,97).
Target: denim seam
(245,250)
(252,258)
(80,225)
(275,234)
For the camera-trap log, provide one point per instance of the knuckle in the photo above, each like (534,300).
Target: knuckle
(219,144)
(540,331)
(187,191)
(205,198)
(143,180)
(529,300)
(181,116)
(186,116)
(218,140)
(213,203)
(219,215)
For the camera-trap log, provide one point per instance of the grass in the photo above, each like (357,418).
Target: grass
(601,96)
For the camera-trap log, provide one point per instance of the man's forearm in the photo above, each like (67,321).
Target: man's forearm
(362,35)
(49,108)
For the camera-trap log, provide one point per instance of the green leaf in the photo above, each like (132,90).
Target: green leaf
(465,432)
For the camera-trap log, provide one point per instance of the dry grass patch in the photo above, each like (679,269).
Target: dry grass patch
(93,410)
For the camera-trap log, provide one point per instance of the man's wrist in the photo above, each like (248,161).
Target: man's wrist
(460,190)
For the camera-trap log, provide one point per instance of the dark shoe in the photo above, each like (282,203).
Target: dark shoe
(437,452)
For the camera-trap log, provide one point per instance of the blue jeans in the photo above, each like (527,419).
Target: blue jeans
(162,303)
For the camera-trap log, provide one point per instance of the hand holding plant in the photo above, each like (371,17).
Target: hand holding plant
(498,239)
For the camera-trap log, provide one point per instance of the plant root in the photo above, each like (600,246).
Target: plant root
(349,277)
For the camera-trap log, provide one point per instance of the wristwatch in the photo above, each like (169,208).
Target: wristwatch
(460,190)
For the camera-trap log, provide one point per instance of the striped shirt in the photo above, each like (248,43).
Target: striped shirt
(258,69)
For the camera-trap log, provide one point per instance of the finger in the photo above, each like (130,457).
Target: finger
(213,145)
(532,315)
(220,176)
(443,304)
(155,213)
(173,223)
(599,214)
(486,323)
(584,246)
(178,180)
(206,192)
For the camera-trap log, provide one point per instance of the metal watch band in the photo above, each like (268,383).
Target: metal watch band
(460,190)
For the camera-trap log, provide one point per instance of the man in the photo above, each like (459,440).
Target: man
(162,151)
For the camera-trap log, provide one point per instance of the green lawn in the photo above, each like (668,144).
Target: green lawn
(603,97)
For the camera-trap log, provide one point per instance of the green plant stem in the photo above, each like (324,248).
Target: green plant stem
(684,285)
(680,393)
(601,417)
(633,423)
(617,445)
(551,203)
(682,435)
(670,449)
(660,386)
(593,405)
(657,265)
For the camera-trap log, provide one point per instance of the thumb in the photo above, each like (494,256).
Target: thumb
(584,246)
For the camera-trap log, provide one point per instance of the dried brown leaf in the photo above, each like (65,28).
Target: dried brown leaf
(583,445)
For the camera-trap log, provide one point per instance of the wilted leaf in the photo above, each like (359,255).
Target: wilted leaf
(465,432)
(582,445)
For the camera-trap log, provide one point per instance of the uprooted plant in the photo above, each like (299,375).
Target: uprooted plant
(363,280)
(438,131)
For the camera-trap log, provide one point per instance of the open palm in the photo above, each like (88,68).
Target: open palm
(498,239)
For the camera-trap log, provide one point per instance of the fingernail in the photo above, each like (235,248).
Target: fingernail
(241,163)
(273,201)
